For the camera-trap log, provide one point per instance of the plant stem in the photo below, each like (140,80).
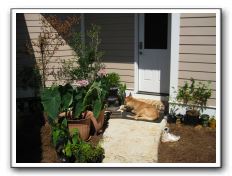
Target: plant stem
(43,70)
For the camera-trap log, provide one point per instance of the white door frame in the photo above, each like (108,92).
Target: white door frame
(174,52)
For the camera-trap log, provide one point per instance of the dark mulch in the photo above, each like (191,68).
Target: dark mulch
(196,145)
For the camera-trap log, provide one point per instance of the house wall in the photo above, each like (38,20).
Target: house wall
(197,53)
(197,57)
(29,29)
(117,35)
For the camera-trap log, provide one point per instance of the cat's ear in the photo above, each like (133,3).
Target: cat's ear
(130,95)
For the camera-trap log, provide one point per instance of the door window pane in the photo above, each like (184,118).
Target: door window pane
(156,30)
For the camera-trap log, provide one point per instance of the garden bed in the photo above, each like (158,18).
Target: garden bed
(196,145)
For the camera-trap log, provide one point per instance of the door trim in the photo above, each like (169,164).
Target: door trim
(174,52)
(136,53)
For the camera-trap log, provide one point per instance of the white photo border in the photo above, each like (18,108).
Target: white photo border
(14,11)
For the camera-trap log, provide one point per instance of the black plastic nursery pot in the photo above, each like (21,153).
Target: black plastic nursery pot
(113,98)
(191,118)
(171,118)
(204,120)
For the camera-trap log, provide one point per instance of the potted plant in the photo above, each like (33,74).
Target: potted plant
(116,90)
(78,151)
(74,107)
(194,97)
(87,103)
(71,148)
(79,105)
(212,122)
(204,118)
(92,104)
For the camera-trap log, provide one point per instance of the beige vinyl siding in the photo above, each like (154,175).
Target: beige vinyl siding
(29,29)
(117,36)
(197,53)
(198,40)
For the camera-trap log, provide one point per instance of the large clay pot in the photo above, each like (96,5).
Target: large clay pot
(83,126)
(98,123)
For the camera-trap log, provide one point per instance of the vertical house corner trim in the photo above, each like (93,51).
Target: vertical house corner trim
(174,63)
(136,59)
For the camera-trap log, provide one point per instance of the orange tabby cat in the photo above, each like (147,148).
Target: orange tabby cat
(142,110)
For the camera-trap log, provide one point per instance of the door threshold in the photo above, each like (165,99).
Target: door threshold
(153,93)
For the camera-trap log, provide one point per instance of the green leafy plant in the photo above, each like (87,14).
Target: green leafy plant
(51,101)
(113,79)
(88,98)
(194,96)
(57,99)
(88,57)
(60,133)
(82,152)
(95,98)
(122,92)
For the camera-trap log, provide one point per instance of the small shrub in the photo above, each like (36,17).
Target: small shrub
(194,96)
(113,79)
(79,151)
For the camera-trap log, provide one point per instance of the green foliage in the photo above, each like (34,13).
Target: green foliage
(66,93)
(201,94)
(57,99)
(88,55)
(185,93)
(113,79)
(81,151)
(63,98)
(89,154)
(60,132)
(194,96)
(94,98)
(122,92)
(51,101)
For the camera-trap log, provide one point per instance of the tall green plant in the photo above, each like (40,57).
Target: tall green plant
(91,98)
(88,56)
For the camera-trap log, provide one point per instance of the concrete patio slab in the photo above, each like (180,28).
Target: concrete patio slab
(131,141)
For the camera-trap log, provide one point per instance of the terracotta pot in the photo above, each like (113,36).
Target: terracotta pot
(83,127)
(98,123)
